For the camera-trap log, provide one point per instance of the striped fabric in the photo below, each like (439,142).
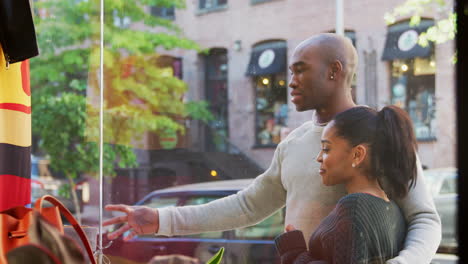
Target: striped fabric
(15,134)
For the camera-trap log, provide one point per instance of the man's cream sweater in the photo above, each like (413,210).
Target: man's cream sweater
(293,180)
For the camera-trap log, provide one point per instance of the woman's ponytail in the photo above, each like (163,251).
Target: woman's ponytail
(394,149)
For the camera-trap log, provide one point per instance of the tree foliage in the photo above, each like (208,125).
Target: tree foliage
(444,28)
(141,93)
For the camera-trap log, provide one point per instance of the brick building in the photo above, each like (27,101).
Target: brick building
(244,75)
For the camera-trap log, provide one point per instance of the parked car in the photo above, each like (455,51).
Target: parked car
(442,184)
(43,183)
(41,186)
(243,245)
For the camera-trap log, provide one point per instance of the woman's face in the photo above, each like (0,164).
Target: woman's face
(335,157)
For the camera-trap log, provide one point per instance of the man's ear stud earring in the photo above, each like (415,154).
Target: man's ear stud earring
(353,165)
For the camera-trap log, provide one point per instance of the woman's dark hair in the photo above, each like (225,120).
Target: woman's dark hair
(390,137)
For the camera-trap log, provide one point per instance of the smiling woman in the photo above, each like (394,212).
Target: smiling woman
(373,155)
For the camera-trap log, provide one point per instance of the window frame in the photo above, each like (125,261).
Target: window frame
(411,90)
(273,78)
(154,11)
(215,6)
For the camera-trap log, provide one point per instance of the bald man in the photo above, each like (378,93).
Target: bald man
(322,69)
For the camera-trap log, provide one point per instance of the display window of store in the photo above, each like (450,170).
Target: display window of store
(267,69)
(412,80)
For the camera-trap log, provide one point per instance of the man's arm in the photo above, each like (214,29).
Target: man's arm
(259,200)
(424,228)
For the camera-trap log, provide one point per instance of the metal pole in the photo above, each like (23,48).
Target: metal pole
(339,27)
(101,129)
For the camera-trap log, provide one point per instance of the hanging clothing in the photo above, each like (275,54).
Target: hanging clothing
(17,33)
(15,134)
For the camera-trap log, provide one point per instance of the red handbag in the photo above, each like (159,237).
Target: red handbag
(14,224)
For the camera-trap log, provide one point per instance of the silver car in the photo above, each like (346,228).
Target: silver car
(442,184)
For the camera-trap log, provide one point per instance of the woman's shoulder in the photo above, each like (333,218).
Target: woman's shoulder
(363,202)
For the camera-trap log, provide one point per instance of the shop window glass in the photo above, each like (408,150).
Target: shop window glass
(271,107)
(413,89)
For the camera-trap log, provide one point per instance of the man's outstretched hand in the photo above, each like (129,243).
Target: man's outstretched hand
(139,220)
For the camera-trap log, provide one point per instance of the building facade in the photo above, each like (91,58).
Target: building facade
(244,72)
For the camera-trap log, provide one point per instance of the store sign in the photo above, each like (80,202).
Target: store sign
(408,40)
(266,58)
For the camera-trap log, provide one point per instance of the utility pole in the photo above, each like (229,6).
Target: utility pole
(339,27)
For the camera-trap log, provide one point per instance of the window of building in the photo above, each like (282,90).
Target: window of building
(260,1)
(163,12)
(268,70)
(120,20)
(413,89)
(412,79)
(211,4)
(271,108)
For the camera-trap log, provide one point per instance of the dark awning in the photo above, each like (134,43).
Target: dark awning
(402,40)
(269,58)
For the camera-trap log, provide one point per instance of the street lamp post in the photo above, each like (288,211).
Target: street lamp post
(339,27)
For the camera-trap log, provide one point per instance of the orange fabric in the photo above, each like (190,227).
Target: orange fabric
(15,134)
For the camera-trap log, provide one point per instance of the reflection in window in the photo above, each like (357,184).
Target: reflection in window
(413,89)
(271,108)
(267,68)
(413,71)
(267,229)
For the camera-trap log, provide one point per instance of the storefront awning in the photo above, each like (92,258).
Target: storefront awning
(267,59)
(402,41)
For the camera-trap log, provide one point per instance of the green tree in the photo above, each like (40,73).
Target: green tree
(444,28)
(141,94)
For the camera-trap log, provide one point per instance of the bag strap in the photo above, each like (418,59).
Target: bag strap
(63,210)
